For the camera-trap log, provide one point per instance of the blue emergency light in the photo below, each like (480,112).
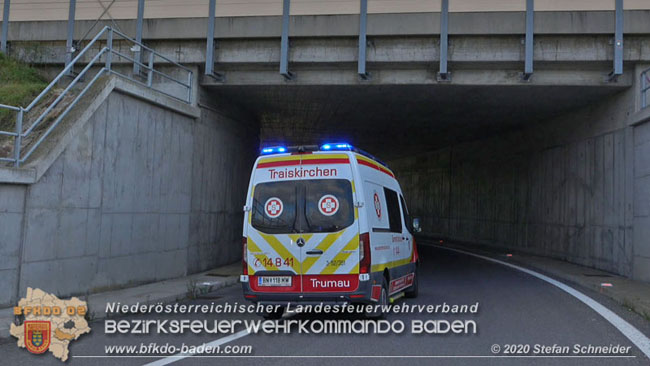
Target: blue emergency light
(339,146)
(273,150)
(336,146)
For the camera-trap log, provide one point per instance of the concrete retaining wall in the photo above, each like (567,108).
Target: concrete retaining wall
(563,188)
(642,200)
(142,193)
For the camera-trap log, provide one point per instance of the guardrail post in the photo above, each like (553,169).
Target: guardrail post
(5,26)
(138,38)
(209,46)
(284,41)
(69,47)
(109,46)
(530,21)
(150,71)
(618,41)
(363,41)
(19,137)
(443,73)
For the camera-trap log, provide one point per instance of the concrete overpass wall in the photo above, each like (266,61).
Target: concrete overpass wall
(127,9)
(140,193)
(573,187)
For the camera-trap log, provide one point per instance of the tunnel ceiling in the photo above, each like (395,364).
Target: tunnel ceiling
(391,121)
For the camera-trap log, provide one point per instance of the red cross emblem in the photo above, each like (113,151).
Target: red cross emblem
(273,207)
(377,206)
(328,205)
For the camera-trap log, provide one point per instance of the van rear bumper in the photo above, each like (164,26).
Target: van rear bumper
(361,295)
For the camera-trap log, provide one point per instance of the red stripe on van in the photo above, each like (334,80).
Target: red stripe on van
(273,164)
(376,166)
(312,284)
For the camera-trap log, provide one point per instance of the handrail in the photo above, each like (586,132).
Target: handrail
(645,88)
(150,50)
(9,107)
(108,51)
(65,72)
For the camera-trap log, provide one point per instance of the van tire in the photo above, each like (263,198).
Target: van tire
(412,292)
(383,300)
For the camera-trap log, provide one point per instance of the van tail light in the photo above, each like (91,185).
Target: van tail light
(244,255)
(416,255)
(364,253)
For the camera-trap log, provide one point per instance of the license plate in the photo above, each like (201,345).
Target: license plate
(274,281)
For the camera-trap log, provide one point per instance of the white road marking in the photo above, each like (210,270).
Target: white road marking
(628,330)
(218,342)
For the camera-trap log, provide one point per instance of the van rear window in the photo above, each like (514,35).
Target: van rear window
(274,207)
(303,206)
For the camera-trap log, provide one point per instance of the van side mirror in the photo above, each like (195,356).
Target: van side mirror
(416,225)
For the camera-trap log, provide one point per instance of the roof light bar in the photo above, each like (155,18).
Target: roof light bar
(274,150)
(337,146)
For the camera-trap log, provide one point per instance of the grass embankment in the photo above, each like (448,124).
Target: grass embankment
(19,85)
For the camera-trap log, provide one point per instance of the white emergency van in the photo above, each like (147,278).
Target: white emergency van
(326,224)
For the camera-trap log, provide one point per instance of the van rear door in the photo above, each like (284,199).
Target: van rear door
(330,231)
(304,224)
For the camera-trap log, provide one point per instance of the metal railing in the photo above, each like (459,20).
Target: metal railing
(645,88)
(109,51)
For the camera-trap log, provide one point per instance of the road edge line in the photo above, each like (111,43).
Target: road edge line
(217,342)
(634,335)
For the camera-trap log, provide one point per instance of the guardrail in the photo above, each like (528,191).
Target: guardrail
(645,88)
(143,74)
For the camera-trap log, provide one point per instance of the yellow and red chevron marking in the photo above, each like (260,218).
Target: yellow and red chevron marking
(343,255)
(264,247)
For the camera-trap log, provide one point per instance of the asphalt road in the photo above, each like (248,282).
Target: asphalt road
(514,308)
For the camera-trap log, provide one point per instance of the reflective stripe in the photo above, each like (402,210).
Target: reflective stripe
(253,248)
(307,159)
(362,160)
(282,250)
(344,237)
(324,246)
(280,245)
(393,264)
(343,255)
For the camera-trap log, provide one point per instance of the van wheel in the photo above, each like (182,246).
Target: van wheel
(412,292)
(274,314)
(383,300)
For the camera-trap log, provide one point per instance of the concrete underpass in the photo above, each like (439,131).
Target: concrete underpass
(543,169)
(554,165)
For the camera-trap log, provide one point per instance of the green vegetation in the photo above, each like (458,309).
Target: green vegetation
(19,84)
(629,305)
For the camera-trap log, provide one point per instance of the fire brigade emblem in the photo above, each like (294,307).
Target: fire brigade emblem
(37,335)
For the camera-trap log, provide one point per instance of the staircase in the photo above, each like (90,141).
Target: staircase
(108,53)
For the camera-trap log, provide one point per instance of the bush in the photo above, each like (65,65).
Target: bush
(19,85)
